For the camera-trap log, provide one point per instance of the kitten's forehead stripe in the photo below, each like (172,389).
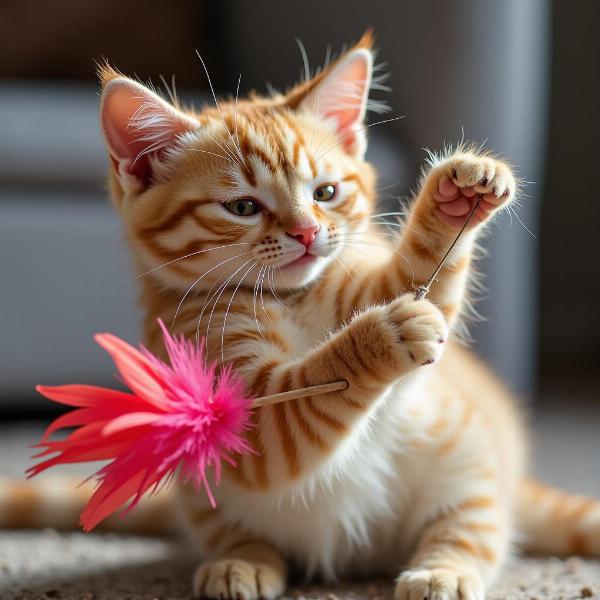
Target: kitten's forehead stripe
(276,139)
(176,217)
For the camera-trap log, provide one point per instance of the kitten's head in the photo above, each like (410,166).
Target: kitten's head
(261,187)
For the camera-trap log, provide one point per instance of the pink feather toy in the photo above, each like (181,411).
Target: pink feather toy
(181,420)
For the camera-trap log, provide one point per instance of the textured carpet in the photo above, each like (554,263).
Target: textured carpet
(46,564)
(41,565)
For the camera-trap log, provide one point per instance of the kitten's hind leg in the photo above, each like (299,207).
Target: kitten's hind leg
(238,566)
(248,570)
(458,553)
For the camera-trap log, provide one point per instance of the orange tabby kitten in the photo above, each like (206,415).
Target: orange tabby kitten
(417,466)
(254,225)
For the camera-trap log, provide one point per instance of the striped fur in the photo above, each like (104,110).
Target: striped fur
(58,501)
(417,467)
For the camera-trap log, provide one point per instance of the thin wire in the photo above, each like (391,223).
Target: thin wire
(423,290)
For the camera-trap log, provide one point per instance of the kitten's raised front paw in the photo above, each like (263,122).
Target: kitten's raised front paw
(438,584)
(463,178)
(234,579)
(421,328)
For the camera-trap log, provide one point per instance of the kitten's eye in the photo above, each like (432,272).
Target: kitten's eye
(244,207)
(324,193)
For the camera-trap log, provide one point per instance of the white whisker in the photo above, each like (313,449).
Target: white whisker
(370,243)
(327,56)
(343,265)
(209,297)
(388,187)
(514,212)
(214,154)
(262,300)
(399,224)
(235,114)
(287,286)
(224,287)
(332,146)
(390,214)
(232,155)
(171,92)
(271,280)
(188,256)
(217,103)
(353,267)
(304,59)
(254,298)
(201,278)
(252,266)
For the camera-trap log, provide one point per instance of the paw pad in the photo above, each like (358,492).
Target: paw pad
(467,180)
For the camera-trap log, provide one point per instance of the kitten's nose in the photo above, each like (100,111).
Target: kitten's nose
(305,235)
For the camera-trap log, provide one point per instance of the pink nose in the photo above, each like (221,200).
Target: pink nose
(305,235)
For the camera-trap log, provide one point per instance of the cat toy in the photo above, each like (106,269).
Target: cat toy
(180,420)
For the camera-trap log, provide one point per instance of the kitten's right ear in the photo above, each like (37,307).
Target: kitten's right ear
(340,93)
(139,128)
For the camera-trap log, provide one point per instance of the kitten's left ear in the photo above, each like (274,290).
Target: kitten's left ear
(139,128)
(340,94)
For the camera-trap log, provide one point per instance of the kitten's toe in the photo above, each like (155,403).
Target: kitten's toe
(234,579)
(226,579)
(438,584)
(421,329)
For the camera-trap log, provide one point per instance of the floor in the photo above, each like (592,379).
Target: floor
(46,564)
(42,565)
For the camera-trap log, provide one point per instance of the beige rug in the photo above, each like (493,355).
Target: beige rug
(75,566)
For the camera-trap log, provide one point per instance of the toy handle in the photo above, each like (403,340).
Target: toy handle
(323,388)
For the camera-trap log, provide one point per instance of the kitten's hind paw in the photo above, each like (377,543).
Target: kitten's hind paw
(235,579)
(438,584)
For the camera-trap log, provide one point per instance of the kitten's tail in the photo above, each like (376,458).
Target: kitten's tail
(556,522)
(57,502)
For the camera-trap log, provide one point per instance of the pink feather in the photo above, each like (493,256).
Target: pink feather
(182,420)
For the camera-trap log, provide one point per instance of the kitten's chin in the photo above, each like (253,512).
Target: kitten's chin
(301,271)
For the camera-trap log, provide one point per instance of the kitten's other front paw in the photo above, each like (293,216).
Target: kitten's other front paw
(234,579)
(462,179)
(438,584)
(421,328)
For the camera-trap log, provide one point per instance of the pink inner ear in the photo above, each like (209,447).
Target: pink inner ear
(350,89)
(119,107)
(342,96)
(138,125)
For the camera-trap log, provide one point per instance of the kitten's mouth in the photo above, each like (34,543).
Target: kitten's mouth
(303,260)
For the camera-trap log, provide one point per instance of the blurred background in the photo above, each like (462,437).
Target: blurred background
(520,75)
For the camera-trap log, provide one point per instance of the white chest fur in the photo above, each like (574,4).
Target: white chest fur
(347,514)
